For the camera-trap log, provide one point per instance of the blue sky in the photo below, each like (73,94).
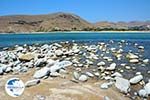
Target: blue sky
(91,10)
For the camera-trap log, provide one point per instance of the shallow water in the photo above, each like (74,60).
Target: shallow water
(13,39)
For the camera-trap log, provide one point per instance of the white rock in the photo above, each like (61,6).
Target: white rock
(122,84)
(111,67)
(106,98)
(106,85)
(141,47)
(134,61)
(59,65)
(1,71)
(101,63)
(32,82)
(39,62)
(136,79)
(146,60)
(76,75)
(89,74)
(116,74)
(58,52)
(42,72)
(142,93)
(147,88)
(83,78)
(132,56)
(55,74)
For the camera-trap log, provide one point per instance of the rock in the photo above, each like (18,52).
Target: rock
(142,93)
(134,61)
(89,74)
(101,63)
(122,84)
(140,47)
(59,65)
(8,69)
(23,69)
(132,56)
(1,71)
(19,49)
(146,61)
(32,82)
(111,67)
(58,52)
(83,78)
(147,88)
(26,57)
(55,74)
(136,79)
(42,72)
(128,67)
(106,85)
(106,98)
(40,62)
(76,75)
(116,74)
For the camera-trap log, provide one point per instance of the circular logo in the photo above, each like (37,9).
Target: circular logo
(14,87)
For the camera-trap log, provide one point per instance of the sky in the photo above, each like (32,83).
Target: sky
(91,10)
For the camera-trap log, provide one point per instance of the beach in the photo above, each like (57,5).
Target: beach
(102,69)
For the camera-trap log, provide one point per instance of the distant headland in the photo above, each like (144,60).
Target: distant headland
(64,22)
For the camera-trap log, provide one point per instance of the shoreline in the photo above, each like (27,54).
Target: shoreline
(79,32)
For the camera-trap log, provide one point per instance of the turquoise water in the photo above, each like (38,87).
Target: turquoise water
(13,39)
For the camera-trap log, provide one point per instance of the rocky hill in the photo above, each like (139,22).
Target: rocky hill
(42,23)
(62,22)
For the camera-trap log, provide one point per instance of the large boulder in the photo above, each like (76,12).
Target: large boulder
(122,84)
(41,73)
(26,57)
(136,79)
